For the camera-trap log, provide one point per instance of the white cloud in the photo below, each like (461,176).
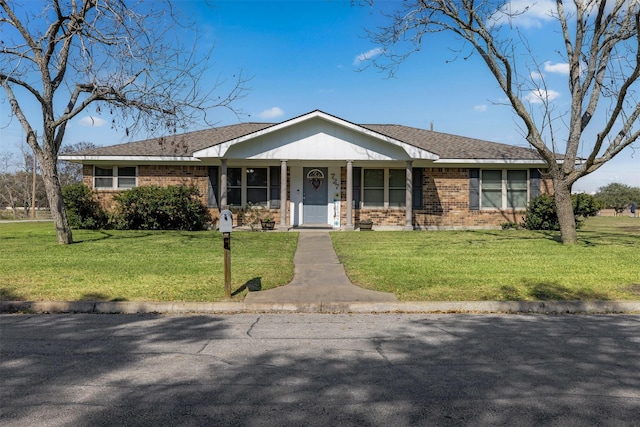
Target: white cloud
(536,75)
(271,113)
(365,56)
(525,13)
(91,121)
(560,68)
(480,108)
(540,96)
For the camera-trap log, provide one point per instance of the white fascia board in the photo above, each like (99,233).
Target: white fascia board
(144,159)
(491,161)
(412,151)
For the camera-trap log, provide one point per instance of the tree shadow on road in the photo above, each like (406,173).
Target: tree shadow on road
(334,370)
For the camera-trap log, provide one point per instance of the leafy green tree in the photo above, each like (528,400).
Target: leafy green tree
(618,196)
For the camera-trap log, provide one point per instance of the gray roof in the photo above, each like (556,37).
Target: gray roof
(177,145)
(446,146)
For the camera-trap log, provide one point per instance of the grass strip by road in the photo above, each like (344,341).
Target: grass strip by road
(136,265)
(497,265)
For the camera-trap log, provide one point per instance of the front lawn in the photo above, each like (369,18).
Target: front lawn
(497,265)
(136,265)
(415,266)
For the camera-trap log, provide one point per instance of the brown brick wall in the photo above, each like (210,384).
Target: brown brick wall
(160,175)
(445,197)
(445,204)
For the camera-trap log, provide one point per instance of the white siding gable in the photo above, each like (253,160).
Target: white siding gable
(316,136)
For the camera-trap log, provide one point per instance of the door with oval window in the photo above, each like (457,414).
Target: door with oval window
(314,197)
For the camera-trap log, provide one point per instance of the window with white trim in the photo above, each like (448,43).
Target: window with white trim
(115,177)
(384,188)
(504,189)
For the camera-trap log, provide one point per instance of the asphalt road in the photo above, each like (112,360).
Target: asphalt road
(319,370)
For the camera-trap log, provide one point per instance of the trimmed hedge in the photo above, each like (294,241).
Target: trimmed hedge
(161,208)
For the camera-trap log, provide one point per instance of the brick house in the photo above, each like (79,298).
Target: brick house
(304,170)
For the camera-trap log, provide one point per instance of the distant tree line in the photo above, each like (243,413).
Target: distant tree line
(619,197)
(17,180)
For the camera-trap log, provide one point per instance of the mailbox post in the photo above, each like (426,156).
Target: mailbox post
(226,225)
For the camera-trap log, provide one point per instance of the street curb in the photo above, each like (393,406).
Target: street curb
(223,307)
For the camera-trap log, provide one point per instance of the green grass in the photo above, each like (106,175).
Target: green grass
(136,265)
(416,266)
(497,265)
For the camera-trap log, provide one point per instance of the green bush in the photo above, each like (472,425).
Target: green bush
(586,205)
(542,214)
(175,207)
(83,211)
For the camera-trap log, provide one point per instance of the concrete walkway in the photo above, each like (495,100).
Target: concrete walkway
(318,278)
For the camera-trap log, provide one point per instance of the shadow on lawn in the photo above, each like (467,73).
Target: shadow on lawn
(252,285)
(96,296)
(9,295)
(548,291)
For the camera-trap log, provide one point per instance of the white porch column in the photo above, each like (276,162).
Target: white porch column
(349,224)
(283,196)
(223,185)
(409,197)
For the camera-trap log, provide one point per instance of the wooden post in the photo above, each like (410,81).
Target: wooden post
(33,187)
(227,264)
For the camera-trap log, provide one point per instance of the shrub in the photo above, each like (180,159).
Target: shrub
(175,207)
(542,214)
(510,225)
(586,205)
(83,211)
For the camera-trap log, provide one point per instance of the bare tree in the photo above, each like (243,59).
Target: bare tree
(8,193)
(69,172)
(601,47)
(17,184)
(123,58)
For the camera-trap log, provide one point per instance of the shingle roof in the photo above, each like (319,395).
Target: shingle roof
(446,146)
(177,145)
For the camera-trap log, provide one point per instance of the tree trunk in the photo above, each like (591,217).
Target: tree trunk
(54,195)
(566,218)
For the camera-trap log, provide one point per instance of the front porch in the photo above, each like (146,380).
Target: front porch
(316,194)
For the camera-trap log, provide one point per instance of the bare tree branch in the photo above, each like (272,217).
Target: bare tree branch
(122,57)
(601,46)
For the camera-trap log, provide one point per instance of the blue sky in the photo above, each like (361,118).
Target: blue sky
(306,55)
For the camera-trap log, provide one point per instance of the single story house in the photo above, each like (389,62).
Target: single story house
(322,170)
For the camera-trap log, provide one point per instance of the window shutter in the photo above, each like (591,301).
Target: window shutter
(357,177)
(534,183)
(213,187)
(474,189)
(417,188)
(274,186)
